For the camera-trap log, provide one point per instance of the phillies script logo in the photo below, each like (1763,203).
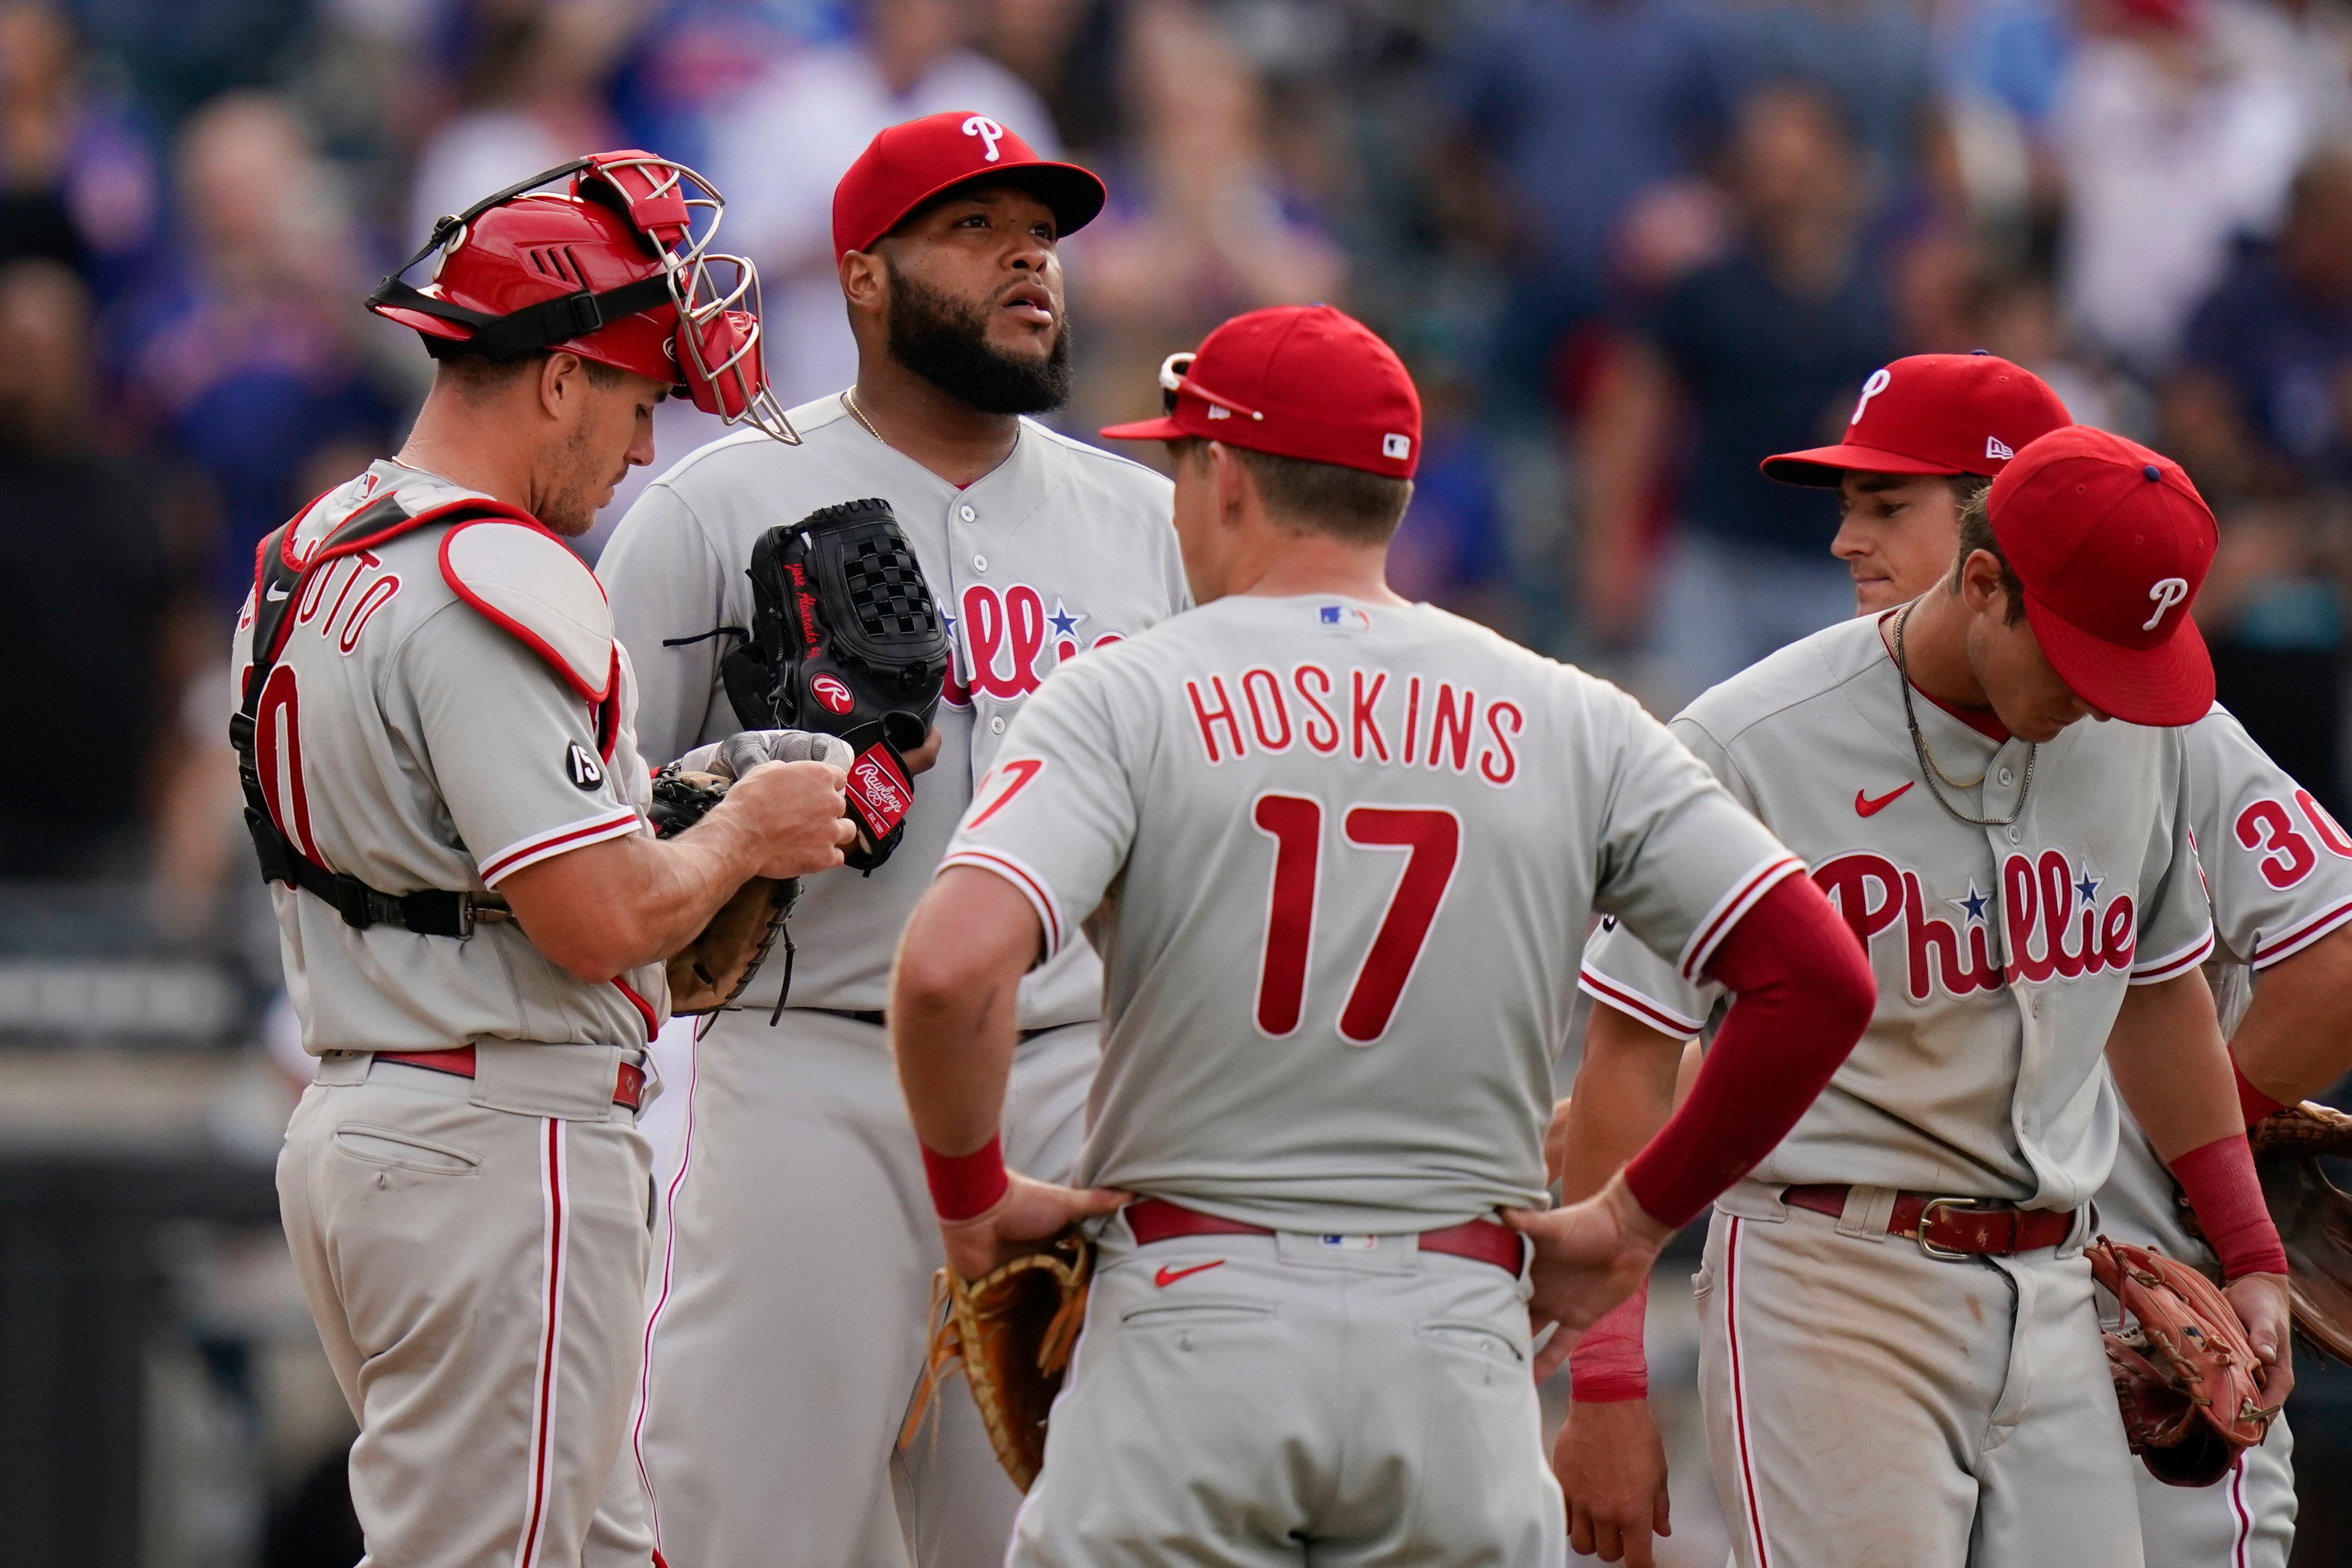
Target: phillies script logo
(830,691)
(2054,919)
(996,645)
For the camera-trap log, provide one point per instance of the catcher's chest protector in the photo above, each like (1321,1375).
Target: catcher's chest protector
(845,640)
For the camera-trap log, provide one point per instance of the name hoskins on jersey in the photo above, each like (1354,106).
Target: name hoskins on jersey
(1310,838)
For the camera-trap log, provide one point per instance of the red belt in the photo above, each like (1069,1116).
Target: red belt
(1480,1240)
(628,1087)
(1949,1227)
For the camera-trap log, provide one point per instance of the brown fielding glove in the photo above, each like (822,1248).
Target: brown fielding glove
(707,973)
(2313,1216)
(1012,1332)
(2183,1369)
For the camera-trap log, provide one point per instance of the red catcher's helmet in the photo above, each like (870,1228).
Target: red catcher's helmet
(616,268)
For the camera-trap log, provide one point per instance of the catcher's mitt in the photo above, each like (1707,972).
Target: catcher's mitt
(2183,1369)
(2313,1216)
(1012,1332)
(844,639)
(711,971)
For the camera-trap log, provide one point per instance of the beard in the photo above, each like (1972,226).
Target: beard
(945,341)
(570,511)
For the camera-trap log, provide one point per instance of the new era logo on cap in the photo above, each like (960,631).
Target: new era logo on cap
(1997,451)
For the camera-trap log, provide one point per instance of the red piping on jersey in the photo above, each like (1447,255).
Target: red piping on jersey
(523,634)
(989,860)
(1984,721)
(542,1436)
(2297,938)
(645,1010)
(1733,908)
(2178,962)
(1739,1388)
(1640,1009)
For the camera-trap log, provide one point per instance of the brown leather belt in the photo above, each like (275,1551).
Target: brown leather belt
(1949,1227)
(1480,1240)
(628,1087)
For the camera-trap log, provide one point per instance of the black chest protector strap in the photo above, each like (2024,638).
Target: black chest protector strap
(277,589)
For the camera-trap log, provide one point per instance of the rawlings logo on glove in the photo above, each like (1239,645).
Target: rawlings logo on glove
(845,640)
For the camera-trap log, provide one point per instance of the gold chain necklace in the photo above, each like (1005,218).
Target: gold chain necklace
(1928,758)
(849,401)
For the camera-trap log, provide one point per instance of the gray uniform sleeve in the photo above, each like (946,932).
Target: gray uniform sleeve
(510,747)
(2175,923)
(1056,813)
(2277,866)
(1681,861)
(665,581)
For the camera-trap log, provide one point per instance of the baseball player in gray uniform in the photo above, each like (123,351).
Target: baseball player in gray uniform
(1931,434)
(1337,851)
(786,1324)
(447,800)
(2022,930)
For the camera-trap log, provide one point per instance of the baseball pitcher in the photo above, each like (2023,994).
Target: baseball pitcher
(436,734)
(794,1264)
(2033,907)
(1337,851)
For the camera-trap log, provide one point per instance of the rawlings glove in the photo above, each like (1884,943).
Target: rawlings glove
(2183,1369)
(711,971)
(844,639)
(1012,1332)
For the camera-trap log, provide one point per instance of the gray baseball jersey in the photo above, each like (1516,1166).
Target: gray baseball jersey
(2002,952)
(433,721)
(1062,549)
(796,1142)
(2278,871)
(1338,858)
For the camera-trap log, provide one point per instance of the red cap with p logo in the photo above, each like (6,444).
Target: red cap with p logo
(1932,414)
(907,165)
(2110,541)
(1295,381)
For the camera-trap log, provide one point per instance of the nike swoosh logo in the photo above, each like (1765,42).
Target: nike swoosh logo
(274,593)
(1167,1277)
(1865,807)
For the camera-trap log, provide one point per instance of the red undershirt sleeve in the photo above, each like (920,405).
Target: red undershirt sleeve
(1803,992)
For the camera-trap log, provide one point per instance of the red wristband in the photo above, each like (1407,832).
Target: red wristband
(2218,1178)
(1607,1366)
(964,1185)
(2253,1103)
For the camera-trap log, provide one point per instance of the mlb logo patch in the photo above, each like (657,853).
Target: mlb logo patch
(1343,617)
(1397,446)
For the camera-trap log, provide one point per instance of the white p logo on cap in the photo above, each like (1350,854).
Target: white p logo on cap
(1880,380)
(2167,591)
(991,132)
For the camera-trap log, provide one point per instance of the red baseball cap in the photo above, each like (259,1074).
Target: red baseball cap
(1296,381)
(2111,542)
(1933,414)
(907,165)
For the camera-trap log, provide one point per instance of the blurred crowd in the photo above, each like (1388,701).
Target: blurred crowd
(1629,247)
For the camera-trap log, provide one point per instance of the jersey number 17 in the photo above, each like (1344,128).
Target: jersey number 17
(1431,839)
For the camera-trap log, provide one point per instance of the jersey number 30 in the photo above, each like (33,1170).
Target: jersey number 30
(1432,840)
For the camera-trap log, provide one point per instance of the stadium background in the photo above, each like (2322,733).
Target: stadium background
(1627,247)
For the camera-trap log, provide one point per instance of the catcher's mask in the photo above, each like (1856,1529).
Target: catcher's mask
(616,268)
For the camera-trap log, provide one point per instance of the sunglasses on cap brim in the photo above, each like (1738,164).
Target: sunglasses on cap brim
(1175,378)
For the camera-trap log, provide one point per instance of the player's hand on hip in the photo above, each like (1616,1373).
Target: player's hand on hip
(1030,1214)
(1613,1471)
(793,812)
(1589,1257)
(2260,1302)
